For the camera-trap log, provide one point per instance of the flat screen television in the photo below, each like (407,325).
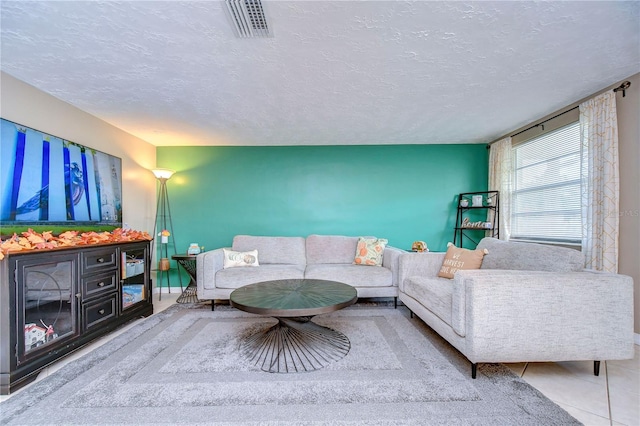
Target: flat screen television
(51,184)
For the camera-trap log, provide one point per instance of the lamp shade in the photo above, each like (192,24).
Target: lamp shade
(163,173)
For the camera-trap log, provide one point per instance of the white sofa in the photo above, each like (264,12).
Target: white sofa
(527,303)
(325,257)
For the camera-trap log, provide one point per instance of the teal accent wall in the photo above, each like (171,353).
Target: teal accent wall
(403,193)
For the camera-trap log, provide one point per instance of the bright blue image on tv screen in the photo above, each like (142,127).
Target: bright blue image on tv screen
(45,179)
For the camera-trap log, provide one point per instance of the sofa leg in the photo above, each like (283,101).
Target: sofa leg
(596,368)
(474,370)
(395,303)
(213,305)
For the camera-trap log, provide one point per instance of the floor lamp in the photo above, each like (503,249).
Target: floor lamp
(163,221)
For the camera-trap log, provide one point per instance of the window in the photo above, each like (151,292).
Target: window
(546,196)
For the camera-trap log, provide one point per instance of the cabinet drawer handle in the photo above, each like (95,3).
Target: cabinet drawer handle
(100,260)
(101,284)
(101,311)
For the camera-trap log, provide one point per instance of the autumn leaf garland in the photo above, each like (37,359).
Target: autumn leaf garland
(31,240)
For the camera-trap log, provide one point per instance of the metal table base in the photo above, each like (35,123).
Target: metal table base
(189,294)
(294,345)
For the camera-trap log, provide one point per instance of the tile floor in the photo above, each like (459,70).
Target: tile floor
(611,399)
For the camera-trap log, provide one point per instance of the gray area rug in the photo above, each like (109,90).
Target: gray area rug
(184,366)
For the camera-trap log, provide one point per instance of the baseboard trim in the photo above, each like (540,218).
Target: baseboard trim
(165,290)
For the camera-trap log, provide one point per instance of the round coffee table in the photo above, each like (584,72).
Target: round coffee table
(295,343)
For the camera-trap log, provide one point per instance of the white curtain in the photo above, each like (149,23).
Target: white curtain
(500,179)
(600,182)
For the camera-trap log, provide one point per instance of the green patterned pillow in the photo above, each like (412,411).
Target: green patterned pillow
(369,251)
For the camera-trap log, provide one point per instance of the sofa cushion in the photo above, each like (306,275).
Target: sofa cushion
(369,251)
(521,256)
(330,249)
(278,250)
(458,258)
(243,275)
(354,275)
(234,259)
(435,294)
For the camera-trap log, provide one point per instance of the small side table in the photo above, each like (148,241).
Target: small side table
(188,262)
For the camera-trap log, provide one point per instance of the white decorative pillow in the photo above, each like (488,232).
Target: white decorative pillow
(240,258)
(369,251)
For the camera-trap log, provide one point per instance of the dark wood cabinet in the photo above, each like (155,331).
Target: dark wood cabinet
(53,302)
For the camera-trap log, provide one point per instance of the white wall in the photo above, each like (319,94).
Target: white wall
(24,104)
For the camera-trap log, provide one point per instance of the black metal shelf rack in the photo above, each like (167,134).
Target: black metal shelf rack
(470,226)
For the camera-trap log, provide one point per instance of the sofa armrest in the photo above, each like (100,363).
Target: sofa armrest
(390,260)
(571,315)
(418,264)
(207,264)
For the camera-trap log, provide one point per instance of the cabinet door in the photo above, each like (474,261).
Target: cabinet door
(46,302)
(135,275)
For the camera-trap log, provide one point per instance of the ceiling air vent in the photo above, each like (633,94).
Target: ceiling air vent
(248,18)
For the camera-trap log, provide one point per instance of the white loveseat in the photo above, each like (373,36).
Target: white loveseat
(527,303)
(324,257)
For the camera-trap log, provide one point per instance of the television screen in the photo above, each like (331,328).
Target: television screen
(51,184)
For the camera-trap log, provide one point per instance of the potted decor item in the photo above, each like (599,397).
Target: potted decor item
(464,202)
(193,249)
(419,246)
(164,264)
(164,236)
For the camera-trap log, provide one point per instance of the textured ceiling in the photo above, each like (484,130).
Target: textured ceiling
(334,72)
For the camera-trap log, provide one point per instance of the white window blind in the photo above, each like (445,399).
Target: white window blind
(546,199)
